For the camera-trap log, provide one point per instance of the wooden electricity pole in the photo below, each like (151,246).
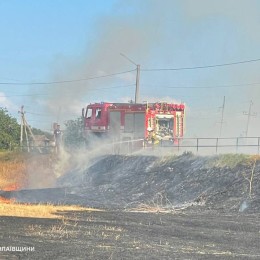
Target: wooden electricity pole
(137,87)
(21,132)
(249,114)
(222,117)
(24,127)
(137,84)
(26,134)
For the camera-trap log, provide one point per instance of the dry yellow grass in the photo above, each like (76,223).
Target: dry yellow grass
(11,173)
(12,170)
(22,170)
(38,210)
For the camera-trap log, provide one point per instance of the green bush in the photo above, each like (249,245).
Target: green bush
(73,137)
(9,130)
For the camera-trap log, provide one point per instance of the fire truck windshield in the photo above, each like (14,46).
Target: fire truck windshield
(164,128)
(89,113)
(98,113)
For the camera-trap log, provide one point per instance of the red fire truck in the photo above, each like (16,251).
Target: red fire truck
(159,121)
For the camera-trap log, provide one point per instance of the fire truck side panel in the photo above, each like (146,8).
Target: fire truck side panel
(114,124)
(129,123)
(134,125)
(139,125)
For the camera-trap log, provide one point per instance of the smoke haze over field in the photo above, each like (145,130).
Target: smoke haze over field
(116,33)
(154,34)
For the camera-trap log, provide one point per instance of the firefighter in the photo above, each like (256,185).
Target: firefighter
(149,137)
(155,139)
(152,138)
(57,138)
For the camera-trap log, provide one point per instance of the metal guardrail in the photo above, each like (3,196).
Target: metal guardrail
(200,144)
(216,143)
(208,145)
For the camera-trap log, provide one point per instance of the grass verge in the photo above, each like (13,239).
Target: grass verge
(38,210)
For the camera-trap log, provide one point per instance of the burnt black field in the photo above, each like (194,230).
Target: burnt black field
(178,207)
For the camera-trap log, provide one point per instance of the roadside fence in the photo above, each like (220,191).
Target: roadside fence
(216,145)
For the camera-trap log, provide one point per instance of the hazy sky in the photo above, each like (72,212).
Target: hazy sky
(59,40)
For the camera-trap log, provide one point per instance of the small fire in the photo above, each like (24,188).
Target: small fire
(11,187)
(6,201)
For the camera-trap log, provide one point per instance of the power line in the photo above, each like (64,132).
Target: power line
(122,54)
(209,87)
(42,94)
(137,86)
(130,85)
(204,67)
(49,115)
(25,95)
(38,114)
(65,81)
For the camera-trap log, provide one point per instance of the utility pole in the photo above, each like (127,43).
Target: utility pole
(31,133)
(249,114)
(137,88)
(137,84)
(24,127)
(222,117)
(26,135)
(21,132)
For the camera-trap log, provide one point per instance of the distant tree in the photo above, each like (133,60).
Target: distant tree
(73,134)
(9,130)
(37,131)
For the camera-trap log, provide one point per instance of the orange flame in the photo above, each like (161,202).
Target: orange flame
(11,187)
(6,201)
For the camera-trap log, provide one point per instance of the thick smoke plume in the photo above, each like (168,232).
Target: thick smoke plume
(133,33)
(143,30)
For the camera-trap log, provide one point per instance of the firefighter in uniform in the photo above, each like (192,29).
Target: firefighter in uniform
(152,138)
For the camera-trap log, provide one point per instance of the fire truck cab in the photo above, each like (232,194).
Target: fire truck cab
(160,121)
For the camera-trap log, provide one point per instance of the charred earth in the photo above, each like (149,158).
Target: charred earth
(174,207)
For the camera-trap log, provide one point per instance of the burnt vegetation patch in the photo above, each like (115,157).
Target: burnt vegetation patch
(174,207)
(229,183)
(133,235)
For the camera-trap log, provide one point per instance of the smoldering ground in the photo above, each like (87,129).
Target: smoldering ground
(166,181)
(44,170)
